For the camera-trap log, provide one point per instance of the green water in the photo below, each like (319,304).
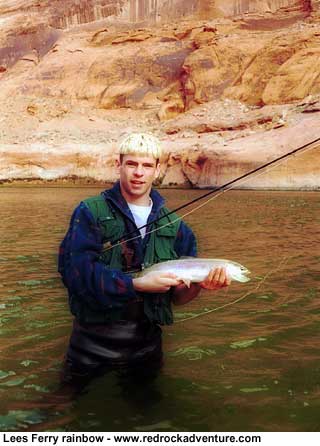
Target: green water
(251,366)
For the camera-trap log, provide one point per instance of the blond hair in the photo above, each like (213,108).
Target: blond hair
(141,144)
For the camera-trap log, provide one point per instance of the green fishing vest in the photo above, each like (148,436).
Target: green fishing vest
(160,247)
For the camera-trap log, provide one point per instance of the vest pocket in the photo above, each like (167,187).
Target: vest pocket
(110,226)
(165,236)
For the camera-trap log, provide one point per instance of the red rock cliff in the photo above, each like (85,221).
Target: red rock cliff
(227,85)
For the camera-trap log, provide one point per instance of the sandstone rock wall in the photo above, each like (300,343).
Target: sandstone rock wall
(63,14)
(151,11)
(229,8)
(211,89)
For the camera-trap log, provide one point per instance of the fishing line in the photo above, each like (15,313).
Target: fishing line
(228,304)
(217,192)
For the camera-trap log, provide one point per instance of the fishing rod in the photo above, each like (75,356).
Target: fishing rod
(214,192)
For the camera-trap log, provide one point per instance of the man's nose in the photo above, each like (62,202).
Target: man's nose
(139,171)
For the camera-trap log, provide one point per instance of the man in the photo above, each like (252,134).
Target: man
(118,315)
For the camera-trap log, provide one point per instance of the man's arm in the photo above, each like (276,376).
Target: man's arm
(82,271)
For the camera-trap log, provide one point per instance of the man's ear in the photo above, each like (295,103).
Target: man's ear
(117,164)
(158,170)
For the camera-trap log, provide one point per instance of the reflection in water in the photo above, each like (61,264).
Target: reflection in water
(250,366)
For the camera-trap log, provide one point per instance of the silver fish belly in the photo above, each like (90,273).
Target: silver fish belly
(197,269)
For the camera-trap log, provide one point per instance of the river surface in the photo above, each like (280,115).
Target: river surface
(251,366)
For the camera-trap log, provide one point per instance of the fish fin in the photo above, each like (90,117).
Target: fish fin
(187,282)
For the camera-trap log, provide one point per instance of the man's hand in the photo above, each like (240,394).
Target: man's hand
(216,279)
(155,282)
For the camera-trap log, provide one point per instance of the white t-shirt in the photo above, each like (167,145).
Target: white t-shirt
(140,215)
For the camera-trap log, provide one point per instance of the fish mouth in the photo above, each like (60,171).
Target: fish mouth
(243,277)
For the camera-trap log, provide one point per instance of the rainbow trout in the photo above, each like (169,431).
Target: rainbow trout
(193,269)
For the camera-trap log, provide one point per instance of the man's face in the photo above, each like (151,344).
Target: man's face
(137,172)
